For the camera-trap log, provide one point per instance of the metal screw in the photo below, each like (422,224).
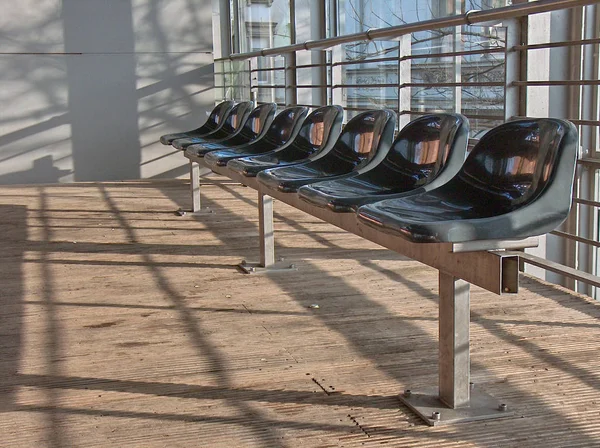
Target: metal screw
(292,266)
(281,259)
(436,415)
(503,407)
(407,393)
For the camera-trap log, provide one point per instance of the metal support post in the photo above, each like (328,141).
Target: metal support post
(456,400)
(195,172)
(266,240)
(195,186)
(267,237)
(454,359)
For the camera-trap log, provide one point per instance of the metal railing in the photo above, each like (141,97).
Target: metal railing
(492,66)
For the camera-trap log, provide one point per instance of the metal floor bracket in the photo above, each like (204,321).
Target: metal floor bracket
(434,412)
(257,268)
(202,211)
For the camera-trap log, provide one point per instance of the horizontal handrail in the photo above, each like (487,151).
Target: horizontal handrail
(454,53)
(365,61)
(422,84)
(557,268)
(566,82)
(579,239)
(479,117)
(469,18)
(586,202)
(569,43)
(284,86)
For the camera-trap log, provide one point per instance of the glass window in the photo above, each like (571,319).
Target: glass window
(261,24)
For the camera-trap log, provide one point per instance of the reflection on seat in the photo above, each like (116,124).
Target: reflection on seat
(426,153)
(516,182)
(283,130)
(253,129)
(365,140)
(231,126)
(316,137)
(214,121)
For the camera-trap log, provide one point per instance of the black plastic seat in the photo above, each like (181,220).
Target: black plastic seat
(231,126)
(316,137)
(516,182)
(254,129)
(366,139)
(283,130)
(427,152)
(213,122)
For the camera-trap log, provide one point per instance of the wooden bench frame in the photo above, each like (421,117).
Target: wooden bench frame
(482,263)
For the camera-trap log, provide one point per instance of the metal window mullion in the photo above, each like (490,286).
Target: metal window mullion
(318,57)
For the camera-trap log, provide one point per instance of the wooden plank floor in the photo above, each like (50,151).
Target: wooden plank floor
(125,325)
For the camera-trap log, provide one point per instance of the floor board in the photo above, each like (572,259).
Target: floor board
(126,325)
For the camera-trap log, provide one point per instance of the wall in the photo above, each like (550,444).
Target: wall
(88,86)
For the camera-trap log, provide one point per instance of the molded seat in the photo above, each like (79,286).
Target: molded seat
(254,128)
(365,140)
(427,152)
(316,137)
(213,122)
(517,182)
(283,130)
(231,126)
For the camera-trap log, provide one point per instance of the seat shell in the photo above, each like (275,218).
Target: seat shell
(232,125)
(283,130)
(316,137)
(366,139)
(254,129)
(427,152)
(214,121)
(517,182)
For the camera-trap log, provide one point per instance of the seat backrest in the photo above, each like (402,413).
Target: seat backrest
(285,125)
(427,147)
(516,162)
(237,117)
(218,114)
(258,121)
(320,127)
(362,137)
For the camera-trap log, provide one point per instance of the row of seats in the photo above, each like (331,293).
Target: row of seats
(421,185)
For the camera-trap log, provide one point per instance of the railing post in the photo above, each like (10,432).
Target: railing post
(515,96)
(404,77)
(457,45)
(337,72)
(291,93)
